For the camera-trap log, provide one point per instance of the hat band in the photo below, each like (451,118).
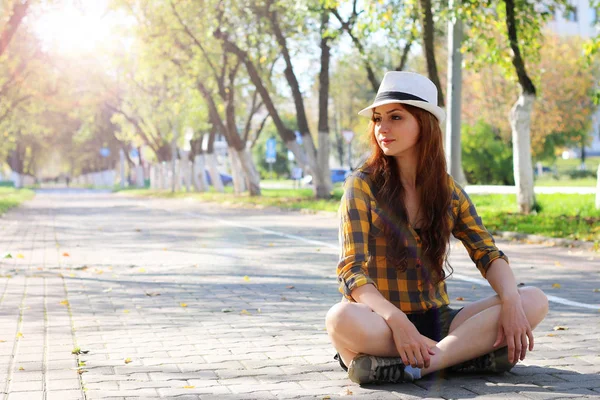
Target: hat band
(397,96)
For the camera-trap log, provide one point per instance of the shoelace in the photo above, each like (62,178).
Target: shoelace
(389,373)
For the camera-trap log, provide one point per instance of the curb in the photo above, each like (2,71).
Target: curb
(551,241)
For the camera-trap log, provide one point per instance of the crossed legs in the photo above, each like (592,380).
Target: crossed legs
(354,328)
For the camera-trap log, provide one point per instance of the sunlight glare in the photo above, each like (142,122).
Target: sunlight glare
(74,29)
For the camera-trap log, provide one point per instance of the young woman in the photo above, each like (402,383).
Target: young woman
(397,214)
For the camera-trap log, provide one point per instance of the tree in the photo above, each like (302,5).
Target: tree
(18,12)
(509,33)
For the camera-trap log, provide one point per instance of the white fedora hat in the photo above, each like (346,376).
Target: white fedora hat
(407,88)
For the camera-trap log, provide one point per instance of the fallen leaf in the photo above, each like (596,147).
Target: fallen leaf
(558,264)
(289,287)
(82,363)
(556,285)
(327,398)
(127,360)
(318,249)
(560,328)
(19,334)
(65,302)
(126,311)
(596,290)
(20,255)
(152,294)
(183,304)
(8,256)
(66,255)
(81,371)
(247,278)
(460,298)
(189,387)
(21,369)
(271,245)
(164,249)
(244,312)
(138,230)
(551,334)
(2,341)
(107,290)
(346,392)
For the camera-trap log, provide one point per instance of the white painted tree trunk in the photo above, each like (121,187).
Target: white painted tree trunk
(186,172)
(122,167)
(322,189)
(139,176)
(520,122)
(249,169)
(153,177)
(164,176)
(598,189)
(323,160)
(15,177)
(215,178)
(199,179)
(239,185)
(299,155)
(177,175)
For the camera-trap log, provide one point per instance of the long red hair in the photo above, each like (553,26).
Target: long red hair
(435,198)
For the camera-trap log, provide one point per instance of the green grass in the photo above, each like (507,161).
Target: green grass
(10,197)
(561,215)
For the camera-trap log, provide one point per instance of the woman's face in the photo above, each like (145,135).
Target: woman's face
(396,130)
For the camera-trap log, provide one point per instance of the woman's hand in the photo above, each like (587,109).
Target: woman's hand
(515,328)
(412,347)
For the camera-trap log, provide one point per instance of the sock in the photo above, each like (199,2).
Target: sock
(415,372)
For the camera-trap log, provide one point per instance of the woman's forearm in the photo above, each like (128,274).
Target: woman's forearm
(370,296)
(501,278)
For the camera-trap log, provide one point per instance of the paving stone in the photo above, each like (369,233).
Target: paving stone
(183,251)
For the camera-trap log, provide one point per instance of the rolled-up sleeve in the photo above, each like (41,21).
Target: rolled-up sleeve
(469,229)
(354,213)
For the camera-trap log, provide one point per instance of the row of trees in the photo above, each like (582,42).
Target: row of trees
(191,69)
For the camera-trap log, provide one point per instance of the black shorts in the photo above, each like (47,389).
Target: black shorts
(434,324)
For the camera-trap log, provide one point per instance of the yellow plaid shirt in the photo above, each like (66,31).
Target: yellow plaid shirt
(363,257)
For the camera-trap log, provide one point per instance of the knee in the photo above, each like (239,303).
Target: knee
(337,316)
(536,300)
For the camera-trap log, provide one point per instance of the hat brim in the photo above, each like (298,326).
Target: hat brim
(437,112)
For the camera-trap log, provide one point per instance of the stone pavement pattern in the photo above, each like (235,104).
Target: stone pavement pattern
(184,300)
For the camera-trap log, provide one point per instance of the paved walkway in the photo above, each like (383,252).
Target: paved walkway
(180,300)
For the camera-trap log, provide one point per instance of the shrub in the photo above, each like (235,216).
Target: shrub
(486,158)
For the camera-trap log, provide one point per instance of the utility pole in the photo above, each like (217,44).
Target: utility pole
(454,93)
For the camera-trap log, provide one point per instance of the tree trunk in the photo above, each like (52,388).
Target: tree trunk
(454,92)
(215,177)
(237,174)
(253,177)
(323,155)
(18,13)
(285,133)
(520,119)
(199,178)
(520,122)
(322,188)
(429,49)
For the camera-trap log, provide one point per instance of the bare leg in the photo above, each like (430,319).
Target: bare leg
(354,328)
(473,331)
